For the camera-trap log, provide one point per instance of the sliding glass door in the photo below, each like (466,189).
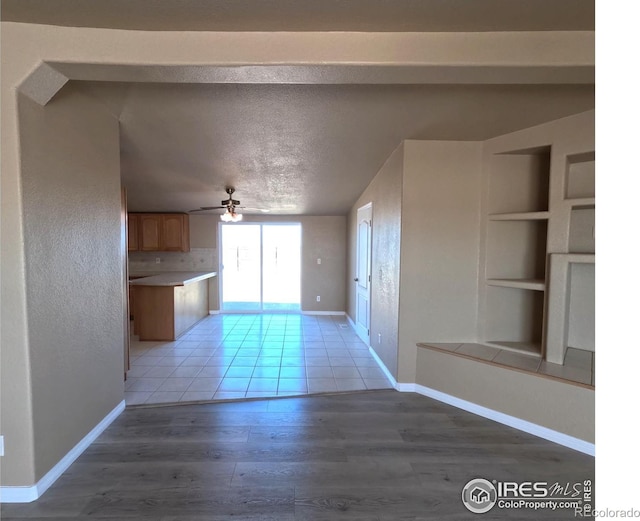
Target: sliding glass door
(260,267)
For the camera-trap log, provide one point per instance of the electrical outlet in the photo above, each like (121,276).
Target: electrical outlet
(379,338)
(157,260)
(318,298)
(319,260)
(1,445)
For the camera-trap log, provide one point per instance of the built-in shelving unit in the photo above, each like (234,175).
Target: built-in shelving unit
(516,248)
(537,248)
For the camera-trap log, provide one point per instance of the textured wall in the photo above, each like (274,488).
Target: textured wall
(324,237)
(385,192)
(440,246)
(71,197)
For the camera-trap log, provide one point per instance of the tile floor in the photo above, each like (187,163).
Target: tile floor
(252,355)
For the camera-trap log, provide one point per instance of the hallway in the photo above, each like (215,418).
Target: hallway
(231,356)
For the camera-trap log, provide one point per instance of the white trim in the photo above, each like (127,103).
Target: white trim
(340,313)
(500,417)
(29,494)
(383,367)
(357,331)
(351,322)
(214,312)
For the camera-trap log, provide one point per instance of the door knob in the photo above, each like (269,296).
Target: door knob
(356,279)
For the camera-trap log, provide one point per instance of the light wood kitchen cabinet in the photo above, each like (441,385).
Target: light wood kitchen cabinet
(160,232)
(175,232)
(132,234)
(150,231)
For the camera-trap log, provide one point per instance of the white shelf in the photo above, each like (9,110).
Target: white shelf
(533,284)
(519,216)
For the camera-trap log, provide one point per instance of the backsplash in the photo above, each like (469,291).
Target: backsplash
(198,259)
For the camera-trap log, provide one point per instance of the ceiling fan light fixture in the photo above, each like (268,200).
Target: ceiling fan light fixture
(230,215)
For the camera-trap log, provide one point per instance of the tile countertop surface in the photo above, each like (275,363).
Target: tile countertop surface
(172,278)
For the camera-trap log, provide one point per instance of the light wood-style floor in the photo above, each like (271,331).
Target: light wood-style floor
(375,456)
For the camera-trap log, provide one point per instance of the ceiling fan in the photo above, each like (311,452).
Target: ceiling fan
(229,205)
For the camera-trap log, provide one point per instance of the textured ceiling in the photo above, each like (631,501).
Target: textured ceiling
(308,15)
(299,149)
(312,144)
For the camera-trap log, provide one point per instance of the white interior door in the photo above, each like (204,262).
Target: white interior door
(363,272)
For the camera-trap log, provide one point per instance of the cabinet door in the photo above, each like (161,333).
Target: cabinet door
(175,229)
(150,232)
(132,232)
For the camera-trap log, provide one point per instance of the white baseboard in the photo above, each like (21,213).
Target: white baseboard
(351,322)
(340,313)
(29,494)
(214,312)
(383,367)
(517,423)
(357,331)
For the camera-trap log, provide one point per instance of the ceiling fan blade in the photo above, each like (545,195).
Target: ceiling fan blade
(205,208)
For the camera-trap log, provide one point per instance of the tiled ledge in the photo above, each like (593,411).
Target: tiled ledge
(578,369)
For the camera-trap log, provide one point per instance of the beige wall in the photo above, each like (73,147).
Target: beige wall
(559,406)
(385,194)
(440,246)
(71,197)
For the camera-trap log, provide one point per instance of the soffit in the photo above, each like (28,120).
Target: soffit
(308,15)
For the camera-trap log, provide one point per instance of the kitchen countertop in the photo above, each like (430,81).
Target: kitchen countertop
(172,278)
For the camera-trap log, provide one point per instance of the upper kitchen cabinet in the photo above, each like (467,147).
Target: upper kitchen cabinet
(175,232)
(133,235)
(150,231)
(160,232)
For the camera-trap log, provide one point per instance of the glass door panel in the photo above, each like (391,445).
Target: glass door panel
(281,267)
(241,267)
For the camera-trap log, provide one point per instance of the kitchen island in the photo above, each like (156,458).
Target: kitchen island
(168,304)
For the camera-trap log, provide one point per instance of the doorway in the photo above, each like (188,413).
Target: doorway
(363,272)
(260,265)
